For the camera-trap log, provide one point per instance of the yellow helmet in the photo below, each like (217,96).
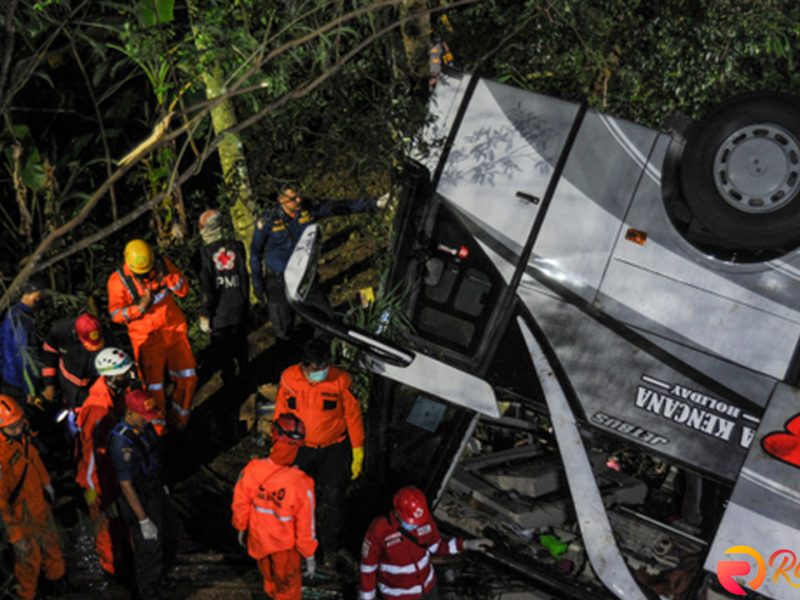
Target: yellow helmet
(139,256)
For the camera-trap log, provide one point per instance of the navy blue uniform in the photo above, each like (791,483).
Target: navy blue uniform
(274,240)
(19,356)
(136,458)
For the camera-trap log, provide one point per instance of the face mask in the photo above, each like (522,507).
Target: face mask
(407,526)
(318,376)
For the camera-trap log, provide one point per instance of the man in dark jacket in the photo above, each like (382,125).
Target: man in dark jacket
(68,357)
(225,297)
(275,237)
(20,351)
(133,449)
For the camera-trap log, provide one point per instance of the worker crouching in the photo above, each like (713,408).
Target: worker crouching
(397,550)
(24,493)
(273,511)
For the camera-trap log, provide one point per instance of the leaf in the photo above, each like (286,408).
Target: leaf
(155,12)
(33,175)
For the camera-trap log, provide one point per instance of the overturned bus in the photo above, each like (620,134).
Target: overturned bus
(601,375)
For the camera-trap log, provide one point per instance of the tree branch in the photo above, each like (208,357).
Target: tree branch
(8,46)
(32,263)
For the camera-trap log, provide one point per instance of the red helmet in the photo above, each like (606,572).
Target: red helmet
(90,332)
(411,505)
(10,412)
(288,428)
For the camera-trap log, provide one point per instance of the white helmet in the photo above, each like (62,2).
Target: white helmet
(112,361)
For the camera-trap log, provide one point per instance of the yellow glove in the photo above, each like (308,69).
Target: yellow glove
(90,495)
(358,462)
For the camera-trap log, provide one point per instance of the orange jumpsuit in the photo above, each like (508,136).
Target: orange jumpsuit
(158,335)
(28,518)
(328,409)
(96,419)
(275,505)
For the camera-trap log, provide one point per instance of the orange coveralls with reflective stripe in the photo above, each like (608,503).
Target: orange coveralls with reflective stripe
(29,518)
(96,419)
(158,335)
(275,505)
(328,408)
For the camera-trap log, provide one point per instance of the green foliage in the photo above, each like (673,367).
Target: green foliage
(638,59)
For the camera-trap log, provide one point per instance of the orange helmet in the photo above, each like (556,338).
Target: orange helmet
(10,412)
(411,505)
(288,428)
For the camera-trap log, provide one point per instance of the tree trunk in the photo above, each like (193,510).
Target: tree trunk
(417,40)
(231,150)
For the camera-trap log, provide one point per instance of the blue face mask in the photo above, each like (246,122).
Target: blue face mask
(407,526)
(318,376)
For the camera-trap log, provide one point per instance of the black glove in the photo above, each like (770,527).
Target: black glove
(259,292)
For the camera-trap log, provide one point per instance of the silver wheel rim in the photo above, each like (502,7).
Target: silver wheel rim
(757,168)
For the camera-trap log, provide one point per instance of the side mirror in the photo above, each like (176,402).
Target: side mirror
(302,266)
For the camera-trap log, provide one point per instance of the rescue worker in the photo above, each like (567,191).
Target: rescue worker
(100,413)
(133,447)
(225,287)
(25,494)
(140,295)
(274,239)
(333,453)
(68,358)
(20,358)
(273,511)
(397,550)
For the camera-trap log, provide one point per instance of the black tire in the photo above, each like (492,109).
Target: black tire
(749,222)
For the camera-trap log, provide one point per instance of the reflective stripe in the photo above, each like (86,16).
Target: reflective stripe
(184,373)
(76,381)
(452,546)
(368,568)
(269,511)
(366,595)
(125,314)
(434,547)
(160,296)
(177,286)
(181,411)
(416,589)
(313,518)
(115,312)
(158,422)
(410,568)
(90,471)
(155,387)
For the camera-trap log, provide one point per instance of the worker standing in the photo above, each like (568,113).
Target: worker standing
(100,413)
(274,239)
(397,550)
(140,295)
(273,511)
(333,453)
(25,493)
(68,358)
(225,287)
(21,367)
(133,447)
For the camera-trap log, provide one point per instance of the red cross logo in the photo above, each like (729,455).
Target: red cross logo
(224,259)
